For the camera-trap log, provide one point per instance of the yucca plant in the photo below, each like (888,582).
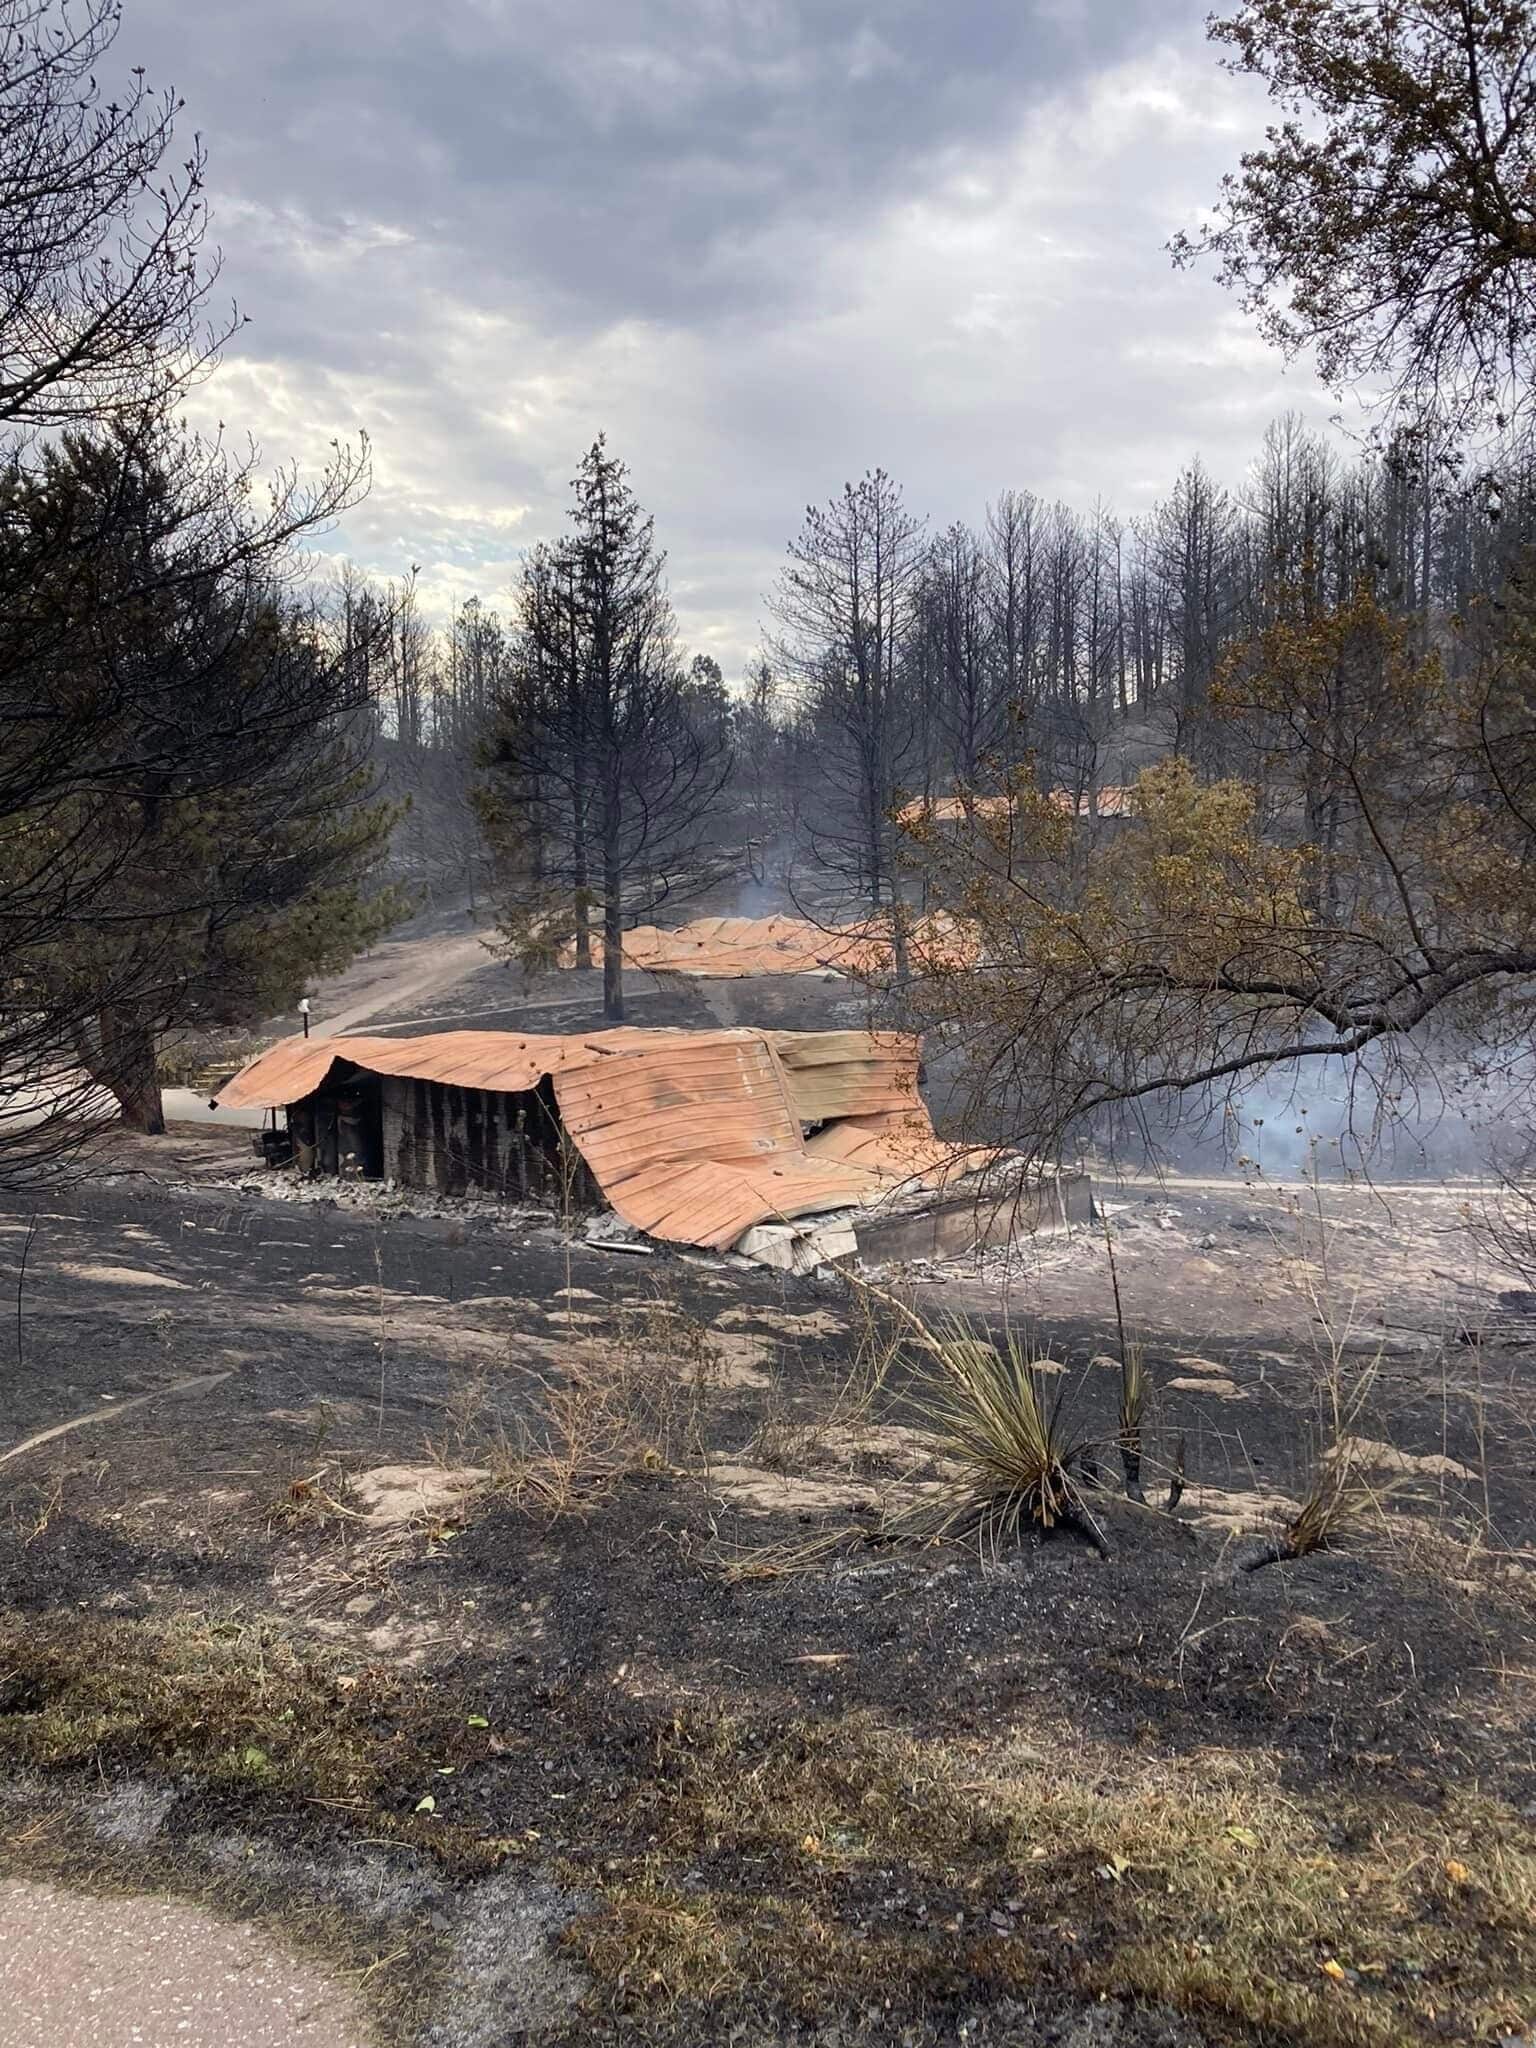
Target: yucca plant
(1133,1403)
(1134,1386)
(1003,1418)
(1338,1496)
(1133,1382)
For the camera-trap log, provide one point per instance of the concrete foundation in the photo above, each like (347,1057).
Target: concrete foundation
(949,1229)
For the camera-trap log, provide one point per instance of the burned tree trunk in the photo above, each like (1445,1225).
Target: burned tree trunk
(581,881)
(122,1060)
(613,936)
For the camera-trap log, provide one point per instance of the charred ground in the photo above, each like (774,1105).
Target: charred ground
(506,1622)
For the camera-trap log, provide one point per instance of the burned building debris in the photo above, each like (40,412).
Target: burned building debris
(703,1138)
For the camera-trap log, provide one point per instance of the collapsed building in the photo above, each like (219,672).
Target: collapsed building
(792,1146)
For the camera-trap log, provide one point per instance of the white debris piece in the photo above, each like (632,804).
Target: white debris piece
(610,1229)
(769,1244)
(800,1247)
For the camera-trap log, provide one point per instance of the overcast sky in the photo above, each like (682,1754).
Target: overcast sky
(764,244)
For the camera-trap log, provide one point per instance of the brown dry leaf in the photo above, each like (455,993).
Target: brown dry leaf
(1335,1970)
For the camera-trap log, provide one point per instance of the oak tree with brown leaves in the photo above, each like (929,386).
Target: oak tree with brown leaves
(1388,221)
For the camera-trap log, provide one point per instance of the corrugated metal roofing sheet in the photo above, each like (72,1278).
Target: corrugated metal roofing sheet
(502,1060)
(944,810)
(712,1202)
(720,1096)
(830,1078)
(732,948)
(902,1148)
(693,1136)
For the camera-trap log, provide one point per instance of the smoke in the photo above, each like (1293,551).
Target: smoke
(1420,1111)
(755,898)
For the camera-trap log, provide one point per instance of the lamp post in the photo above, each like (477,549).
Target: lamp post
(304,1013)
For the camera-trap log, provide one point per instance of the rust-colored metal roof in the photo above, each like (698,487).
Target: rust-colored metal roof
(1109,802)
(901,1147)
(732,948)
(693,1136)
(831,1078)
(944,810)
(717,1095)
(505,1061)
(712,1202)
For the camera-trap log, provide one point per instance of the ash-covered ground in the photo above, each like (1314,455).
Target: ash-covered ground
(514,1624)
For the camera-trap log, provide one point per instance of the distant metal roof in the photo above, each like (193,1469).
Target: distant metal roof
(693,1136)
(1109,802)
(732,948)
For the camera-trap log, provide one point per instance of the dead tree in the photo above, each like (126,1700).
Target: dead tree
(846,609)
(601,774)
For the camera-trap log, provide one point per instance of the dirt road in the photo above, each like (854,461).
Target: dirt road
(398,975)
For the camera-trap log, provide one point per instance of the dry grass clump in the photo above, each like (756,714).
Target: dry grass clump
(315,1489)
(617,1406)
(311,1499)
(1337,1498)
(917,1870)
(1340,1494)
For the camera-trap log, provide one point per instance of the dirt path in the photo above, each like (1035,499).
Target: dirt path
(78,1972)
(399,974)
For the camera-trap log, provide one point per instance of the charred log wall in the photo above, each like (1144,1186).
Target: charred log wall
(456,1140)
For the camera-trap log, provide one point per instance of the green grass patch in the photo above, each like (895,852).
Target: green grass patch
(237,1707)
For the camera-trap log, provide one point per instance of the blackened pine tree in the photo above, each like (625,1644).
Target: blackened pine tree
(602,777)
(210,841)
(103,279)
(103,287)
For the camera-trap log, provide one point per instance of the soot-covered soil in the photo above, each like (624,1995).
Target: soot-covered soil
(509,1620)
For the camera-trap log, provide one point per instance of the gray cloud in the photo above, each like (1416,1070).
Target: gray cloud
(613,157)
(765,244)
